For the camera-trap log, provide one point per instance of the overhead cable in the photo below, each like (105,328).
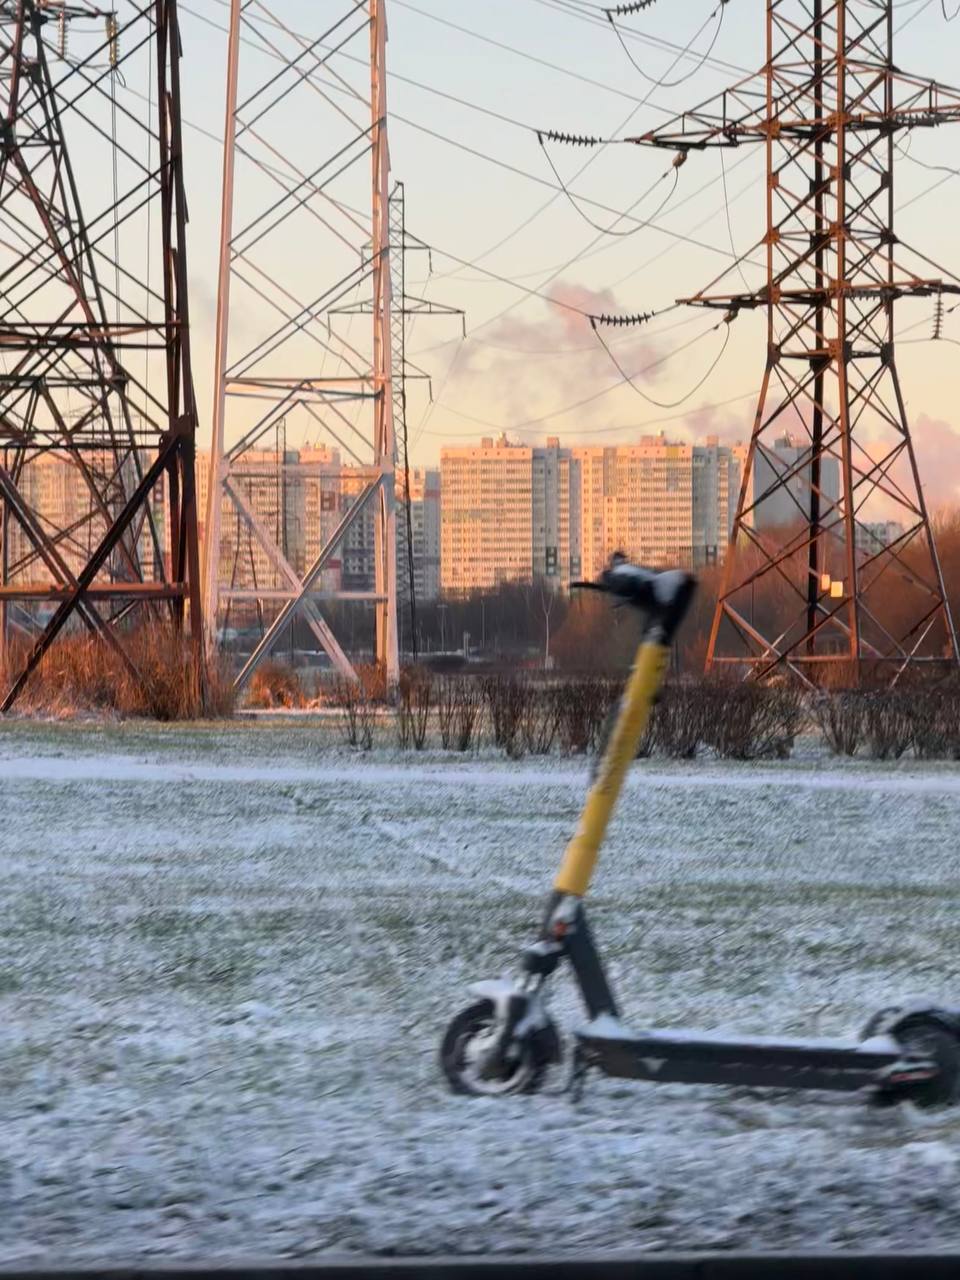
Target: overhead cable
(629,379)
(687,75)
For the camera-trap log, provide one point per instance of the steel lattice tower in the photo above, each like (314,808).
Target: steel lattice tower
(829,107)
(313,233)
(83,322)
(404,307)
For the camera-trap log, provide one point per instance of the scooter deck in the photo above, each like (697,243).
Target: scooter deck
(701,1058)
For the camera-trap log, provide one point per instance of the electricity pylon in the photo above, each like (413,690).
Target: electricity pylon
(305,130)
(831,462)
(98,516)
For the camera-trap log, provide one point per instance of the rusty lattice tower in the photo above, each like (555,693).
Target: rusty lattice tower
(831,528)
(97,413)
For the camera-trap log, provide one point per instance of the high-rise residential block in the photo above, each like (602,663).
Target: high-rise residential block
(518,512)
(425,530)
(77,501)
(486,521)
(297,500)
(783,482)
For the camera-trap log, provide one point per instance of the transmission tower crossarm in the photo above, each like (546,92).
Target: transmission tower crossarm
(912,288)
(739,116)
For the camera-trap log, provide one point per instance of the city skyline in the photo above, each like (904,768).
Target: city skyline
(462,204)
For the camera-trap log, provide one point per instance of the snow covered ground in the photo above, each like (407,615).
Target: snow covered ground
(227,955)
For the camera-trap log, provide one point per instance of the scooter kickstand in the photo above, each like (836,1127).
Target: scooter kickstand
(578,1075)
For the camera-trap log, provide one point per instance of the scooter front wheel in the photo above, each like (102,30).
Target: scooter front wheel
(463,1053)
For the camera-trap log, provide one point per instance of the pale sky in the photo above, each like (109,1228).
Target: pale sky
(525,361)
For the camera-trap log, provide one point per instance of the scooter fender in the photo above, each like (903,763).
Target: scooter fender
(510,1000)
(887,1022)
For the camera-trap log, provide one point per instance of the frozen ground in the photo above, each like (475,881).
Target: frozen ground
(226,956)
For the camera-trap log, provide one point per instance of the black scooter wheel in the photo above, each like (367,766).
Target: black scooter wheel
(469,1033)
(921,1036)
(927,1038)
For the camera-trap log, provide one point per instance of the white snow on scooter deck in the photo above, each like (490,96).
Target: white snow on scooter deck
(220,1003)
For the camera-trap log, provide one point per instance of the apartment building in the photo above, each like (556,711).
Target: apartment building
(637,499)
(517,512)
(292,497)
(299,499)
(874,536)
(717,473)
(486,516)
(58,492)
(425,526)
(783,479)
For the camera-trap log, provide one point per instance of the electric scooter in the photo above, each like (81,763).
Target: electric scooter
(505,1041)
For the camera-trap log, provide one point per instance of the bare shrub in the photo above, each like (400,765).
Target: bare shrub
(373,681)
(889,724)
(356,715)
(575,718)
(540,720)
(676,725)
(935,716)
(412,709)
(274,684)
(680,720)
(445,696)
(506,699)
(841,720)
(469,704)
(459,703)
(750,721)
(585,714)
(601,739)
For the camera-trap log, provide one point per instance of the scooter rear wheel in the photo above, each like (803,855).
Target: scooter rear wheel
(927,1038)
(922,1036)
(468,1034)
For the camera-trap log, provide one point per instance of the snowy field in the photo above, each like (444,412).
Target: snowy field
(227,955)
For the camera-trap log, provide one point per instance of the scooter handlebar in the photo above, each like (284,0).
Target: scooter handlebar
(663,595)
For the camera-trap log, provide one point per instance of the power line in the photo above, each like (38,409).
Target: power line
(464,264)
(596,431)
(555,351)
(688,75)
(566,266)
(747,156)
(623,380)
(598,19)
(529,57)
(526,222)
(629,378)
(611,229)
(619,215)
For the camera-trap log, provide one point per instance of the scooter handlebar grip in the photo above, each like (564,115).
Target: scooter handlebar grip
(665,596)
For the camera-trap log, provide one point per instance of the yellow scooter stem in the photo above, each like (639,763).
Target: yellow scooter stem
(581,854)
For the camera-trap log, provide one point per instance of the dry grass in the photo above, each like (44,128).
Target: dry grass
(82,674)
(275,685)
